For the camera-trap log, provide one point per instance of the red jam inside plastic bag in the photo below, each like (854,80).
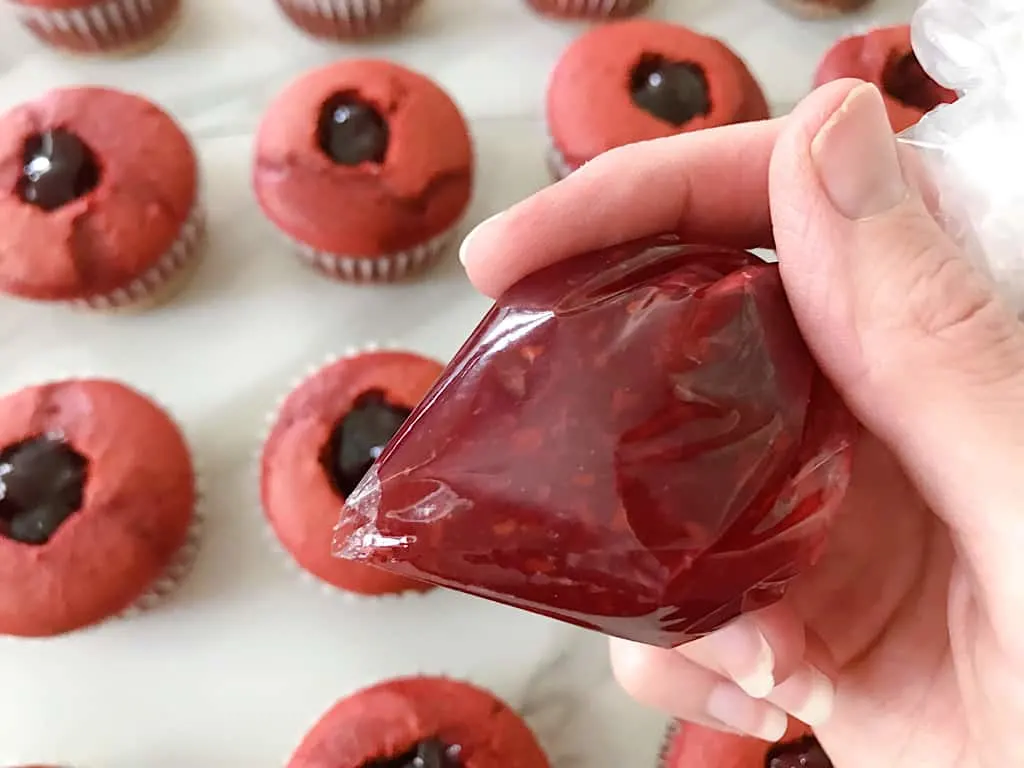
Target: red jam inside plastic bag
(635,441)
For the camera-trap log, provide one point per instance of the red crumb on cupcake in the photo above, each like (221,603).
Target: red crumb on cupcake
(326,436)
(365,164)
(98,198)
(886,58)
(99,497)
(688,745)
(638,80)
(96,26)
(420,722)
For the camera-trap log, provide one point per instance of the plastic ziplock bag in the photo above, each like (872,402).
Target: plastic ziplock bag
(637,441)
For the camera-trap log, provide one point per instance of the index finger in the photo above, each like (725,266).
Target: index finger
(710,187)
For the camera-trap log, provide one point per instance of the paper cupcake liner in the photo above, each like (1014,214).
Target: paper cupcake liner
(591,8)
(666,744)
(558,166)
(378,269)
(105,25)
(344,19)
(808,9)
(287,560)
(179,568)
(161,280)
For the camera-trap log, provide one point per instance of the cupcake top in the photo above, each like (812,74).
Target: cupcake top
(420,723)
(99,494)
(688,745)
(326,436)
(363,158)
(886,58)
(95,186)
(637,80)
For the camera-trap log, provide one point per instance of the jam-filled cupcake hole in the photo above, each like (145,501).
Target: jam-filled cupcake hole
(803,753)
(359,438)
(906,81)
(351,131)
(42,483)
(431,753)
(57,168)
(673,91)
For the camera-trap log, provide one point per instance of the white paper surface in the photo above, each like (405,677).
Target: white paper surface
(247,655)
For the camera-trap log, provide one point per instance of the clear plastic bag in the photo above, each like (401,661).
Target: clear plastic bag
(973,149)
(636,441)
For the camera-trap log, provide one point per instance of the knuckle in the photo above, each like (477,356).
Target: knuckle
(929,299)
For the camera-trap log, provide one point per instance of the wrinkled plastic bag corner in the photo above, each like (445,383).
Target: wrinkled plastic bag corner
(973,150)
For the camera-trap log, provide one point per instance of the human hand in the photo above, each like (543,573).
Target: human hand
(904,646)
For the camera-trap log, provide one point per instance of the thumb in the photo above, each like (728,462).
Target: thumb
(913,336)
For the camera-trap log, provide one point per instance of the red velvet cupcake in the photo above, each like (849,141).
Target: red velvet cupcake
(98,513)
(886,58)
(348,19)
(688,745)
(589,9)
(367,167)
(822,9)
(638,80)
(420,723)
(99,201)
(96,26)
(325,436)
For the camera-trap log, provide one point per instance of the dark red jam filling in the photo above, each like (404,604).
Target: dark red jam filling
(804,753)
(42,481)
(431,753)
(58,168)
(673,91)
(906,81)
(358,439)
(351,131)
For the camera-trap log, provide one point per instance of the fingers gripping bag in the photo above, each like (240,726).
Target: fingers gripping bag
(637,440)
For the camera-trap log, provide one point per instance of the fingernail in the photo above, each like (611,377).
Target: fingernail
(729,705)
(809,696)
(464,248)
(744,655)
(856,159)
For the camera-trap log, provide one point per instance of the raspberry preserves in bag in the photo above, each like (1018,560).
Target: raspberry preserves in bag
(635,441)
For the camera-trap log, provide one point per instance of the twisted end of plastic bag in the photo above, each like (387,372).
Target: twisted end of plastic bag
(974,149)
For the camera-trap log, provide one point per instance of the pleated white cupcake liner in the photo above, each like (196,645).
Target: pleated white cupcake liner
(349,18)
(102,25)
(378,269)
(600,8)
(174,263)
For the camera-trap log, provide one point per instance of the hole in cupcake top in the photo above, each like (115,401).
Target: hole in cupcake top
(906,81)
(358,439)
(431,753)
(673,91)
(42,481)
(58,168)
(803,753)
(351,131)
